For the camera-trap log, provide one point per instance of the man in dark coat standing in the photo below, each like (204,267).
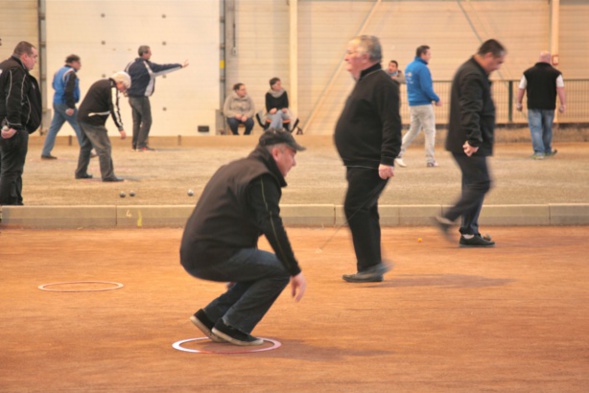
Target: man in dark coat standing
(470,140)
(20,115)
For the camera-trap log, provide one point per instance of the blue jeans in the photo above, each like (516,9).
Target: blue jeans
(60,117)
(234,123)
(259,279)
(277,119)
(541,129)
(476,182)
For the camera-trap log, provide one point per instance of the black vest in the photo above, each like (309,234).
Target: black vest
(541,86)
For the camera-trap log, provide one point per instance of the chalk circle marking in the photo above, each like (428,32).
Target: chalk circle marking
(178,345)
(113,286)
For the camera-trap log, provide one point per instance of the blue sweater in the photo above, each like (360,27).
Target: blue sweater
(419,83)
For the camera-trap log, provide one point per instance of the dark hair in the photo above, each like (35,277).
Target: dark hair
(421,50)
(71,59)
(492,46)
(274,80)
(237,86)
(143,49)
(23,47)
(394,61)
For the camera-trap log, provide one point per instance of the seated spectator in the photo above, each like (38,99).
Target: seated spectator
(239,109)
(395,73)
(277,104)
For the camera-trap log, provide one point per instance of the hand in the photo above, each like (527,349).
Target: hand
(562,108)
(244,118)
(386,171)
(284,110)
(298,285)
(123,134)
(468,149)
(69,111)
(8,133)
(272,111)
(519,107)
(185,63)
(439,103)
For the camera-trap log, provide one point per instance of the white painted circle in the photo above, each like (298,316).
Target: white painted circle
(45,287)
(178,345)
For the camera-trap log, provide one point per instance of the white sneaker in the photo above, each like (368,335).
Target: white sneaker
(399,161)
(432,164)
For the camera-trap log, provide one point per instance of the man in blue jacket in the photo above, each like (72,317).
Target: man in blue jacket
(67,93)
(143,73)
(420,94)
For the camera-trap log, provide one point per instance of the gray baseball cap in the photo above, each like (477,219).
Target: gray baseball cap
(275,136)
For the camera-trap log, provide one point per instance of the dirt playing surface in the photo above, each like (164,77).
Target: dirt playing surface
(514,318)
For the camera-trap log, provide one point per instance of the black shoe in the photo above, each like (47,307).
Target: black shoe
(84,176)
(202,321)
(372,274)
(48,157)
(113,179)
(443,225)
(234,336)
(476,241)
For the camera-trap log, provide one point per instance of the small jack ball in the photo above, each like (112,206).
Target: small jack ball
(419,240)
(190,193)
(122,194)
(132,194)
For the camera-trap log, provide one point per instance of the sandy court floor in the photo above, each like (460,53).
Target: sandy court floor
(510,319)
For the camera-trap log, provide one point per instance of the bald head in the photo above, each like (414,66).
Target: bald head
(545,57)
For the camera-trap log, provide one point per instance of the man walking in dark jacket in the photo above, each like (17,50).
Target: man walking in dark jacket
(238,205)
(470,140)
(368,138)
(20,115)
(143,73)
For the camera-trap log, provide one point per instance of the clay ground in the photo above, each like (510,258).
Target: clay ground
(510,319)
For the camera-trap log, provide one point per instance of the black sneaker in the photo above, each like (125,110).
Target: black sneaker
(476,241)
(234,336)
(372,274)
(84,176)
(48,157)
(203,322)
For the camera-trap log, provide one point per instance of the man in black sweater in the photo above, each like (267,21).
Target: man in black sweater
(238,205)
(470,140)
(542,82)
(368,138)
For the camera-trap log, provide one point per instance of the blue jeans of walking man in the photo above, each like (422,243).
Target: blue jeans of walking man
(541,129)
(60,117)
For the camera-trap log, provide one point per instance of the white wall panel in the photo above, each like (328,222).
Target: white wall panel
(18,22)
(106,35)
